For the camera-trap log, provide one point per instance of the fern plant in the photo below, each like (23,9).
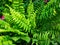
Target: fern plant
(35,24)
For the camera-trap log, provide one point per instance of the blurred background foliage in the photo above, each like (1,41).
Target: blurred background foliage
(29,22)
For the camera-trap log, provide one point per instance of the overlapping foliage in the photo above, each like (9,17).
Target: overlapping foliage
(30,22)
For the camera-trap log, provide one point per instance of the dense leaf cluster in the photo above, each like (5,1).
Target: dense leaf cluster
(30,22)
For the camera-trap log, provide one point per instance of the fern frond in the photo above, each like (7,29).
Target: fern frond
(31,14)
(5,41)
(18,5)
(4,25)
(13,31)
